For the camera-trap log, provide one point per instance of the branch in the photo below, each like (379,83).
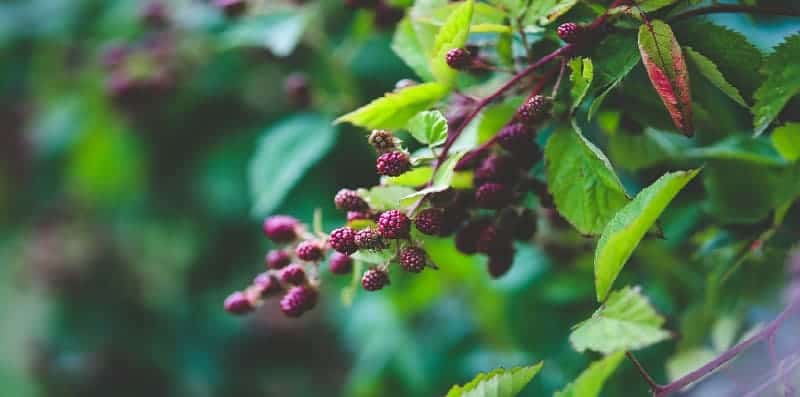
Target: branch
(736,8)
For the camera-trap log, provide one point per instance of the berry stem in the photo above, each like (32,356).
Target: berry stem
(560,76)
(735,8)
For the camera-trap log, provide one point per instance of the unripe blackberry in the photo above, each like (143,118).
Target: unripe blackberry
(298,300)
(458,58)
(358,216)
(298,90)
(412,259)
(343,240)
(349,200)
(382,140)
(570,32)
(534,109)
(277,259)
(267,284)
(281,228)
(513,135)
(369,239)
(232,8)
(293,274)
(525,225)
(393,163)
(237,303)
(430,221)
(500,262)
(493,195)
(394,224)
(404,83)
(467,238)
(492,239)
(374,279)
(309,251)
(340,263)
(495,168)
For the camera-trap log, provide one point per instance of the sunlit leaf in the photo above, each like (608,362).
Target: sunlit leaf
(497,383)
(786,140)
(453,34)
(393,110)
(712,73)
(782,72)
(429,128)
(581,78)
(590,382)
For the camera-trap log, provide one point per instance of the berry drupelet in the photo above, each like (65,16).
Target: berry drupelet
(277,259)
(267,284)
(394,224)
(281,228)
(309,251)
(349,200)
(343,240)
(430,221)
(534,109)
(459,58)
(298,300)
(393,163)
(293,274)
(374,279)
(237,303)
(412,259)
(369,239)
(570,32)
(513,135)
(340,263)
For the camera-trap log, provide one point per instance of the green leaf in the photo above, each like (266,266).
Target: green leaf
(652,5)
(626,321)
(782,72)
(453,34)
(497,383)
(612,60)
(650,148)
(442,179)
(284,154)
(418,176)
(280,32)
(393,110)
(581,78)
(544,12)
(740,148)
(429,128)
(786,140)
(375,257)
(688,361)
(712,73)
(488,123)
(382,198)
(590,382)
(624,232)
(407,46)
(586,190)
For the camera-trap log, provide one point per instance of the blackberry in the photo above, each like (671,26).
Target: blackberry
(534,109)
(293,274)
(374,279)
(343,240)
(526,155)
(467,238)
(237,303)
(394,224)
(382,140)
(349,200)
(412,259)
(492,239)
(393,163)
(340,263)
(267,284)
(459,58)
(500,262)
(570,32)
(369,239)
(495,168)
(281,228)
(277,259)
(358,216)
(513,135)
(525,225)
(232,8)
(430,221)
(492,195)
(309,251)
(298,300)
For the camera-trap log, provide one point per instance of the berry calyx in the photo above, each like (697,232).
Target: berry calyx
(293,274)
(570,32)
(277,259)
(237,303)
(374,279)
(382,140)
(281,228)
(340,263)
(513,135)
(349,200)
(430,221)
(393,163)
(309,251)
(298,300)
(232,8)
(413,259)
(343,240)
(369,239)
(267,284)
(534,109)
(394,224)
(459,58)
(492,195)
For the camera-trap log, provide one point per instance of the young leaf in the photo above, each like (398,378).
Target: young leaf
(381,198)
(590,382)
(626,321)
(393,110)
(429,128)
(586,190)
(581,78)
(453,34)
(497,383)
(786,140)
(710,71)
(287,142)
(407,46)
(782,70)
(623,233)
(666,68)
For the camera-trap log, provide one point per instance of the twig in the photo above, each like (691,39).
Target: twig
(647,378)
(735,8)
(560,76)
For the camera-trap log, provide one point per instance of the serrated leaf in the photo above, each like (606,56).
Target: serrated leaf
(280,32)
(612,60)
(786,140)
(407,46)
(287,143)
(626,321)
(382,198)
(782,72)
(666,68)
(429,128)
(393,110)
(708,69)
(497,383)
(453,34)
(624,232)
(581,78)
(544,12)
(586,190)
(590,382)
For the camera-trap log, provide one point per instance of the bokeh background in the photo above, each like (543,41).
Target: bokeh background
(133,180)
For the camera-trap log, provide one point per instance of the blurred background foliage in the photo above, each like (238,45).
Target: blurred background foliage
(133,175)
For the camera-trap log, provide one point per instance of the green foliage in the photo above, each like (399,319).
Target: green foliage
(612,60)
(712,73)
(497,383)
(590,382)
(279,32)
(782,82)
(786,139)
(408,47)
(429,128)
(581,78)
(547,11)
(453,34)
(443,178)
(395,109)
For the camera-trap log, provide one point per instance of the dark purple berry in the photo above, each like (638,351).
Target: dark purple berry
(492,195)
(293,274)
(387,15)
(458,58)
(545,197)
(277,259)
(382,140)
(526,155)
(349,200)
(430,221)
(513,135)
(393,163)
(570,32)
(412,259)
(267,285)
(298,300)
(492,239)
(358,216)
(281,228)
(394,224)
(369,239)
(360,3)
(232,8)
(309,251)
(500,262)
(340,263)
(495,168)
(343,240)
(467,238)
(374,279)
(453,218)
(534,109)
(525,225)
(297,89)
(237,303)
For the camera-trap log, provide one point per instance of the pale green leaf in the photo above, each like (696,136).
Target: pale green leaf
(442,179)
(688,361)
(393,110)
(497,383)
(590,382)
(407,46)
(786,140)
(627,321)
(453,34)
(708,69)
(581,78)
(382,198)
(782,72)
(280,32)
(417,176)
(429,128)
(375,257)
(624,232)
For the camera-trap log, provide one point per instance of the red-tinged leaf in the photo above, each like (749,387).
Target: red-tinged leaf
(666,67)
